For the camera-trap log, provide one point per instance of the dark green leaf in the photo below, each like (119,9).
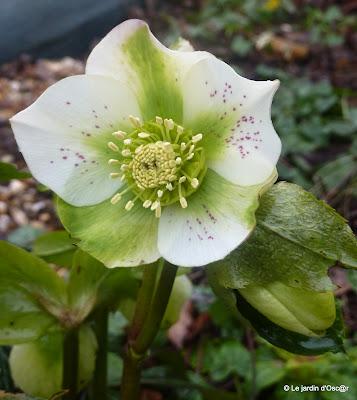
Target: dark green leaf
(53,243)
(268,373)
(9,171)
(241,46)
(224,360)
(92,285)
(22,318)
(30,292)
(55,247)
(5,375)
(11,396)
(288,340)
(296,239)
(336,171)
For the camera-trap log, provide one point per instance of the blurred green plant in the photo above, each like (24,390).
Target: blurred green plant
(327,27)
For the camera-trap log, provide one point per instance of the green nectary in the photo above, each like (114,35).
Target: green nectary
(161,163)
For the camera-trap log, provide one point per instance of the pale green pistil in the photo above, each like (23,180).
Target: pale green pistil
(162,163)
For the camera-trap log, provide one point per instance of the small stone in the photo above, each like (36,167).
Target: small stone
(3,207)
(5,223)
(44,217)
(19,216)
(16,186)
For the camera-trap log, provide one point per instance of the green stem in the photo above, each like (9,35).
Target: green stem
(99,385)
(157,310)
(70,364)
(137,348)
(144,299)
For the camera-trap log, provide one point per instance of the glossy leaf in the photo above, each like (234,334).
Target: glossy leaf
(288,340)
(9,171)
(296,239)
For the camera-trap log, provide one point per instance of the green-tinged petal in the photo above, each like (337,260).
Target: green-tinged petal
(233,113)
(133,55)
(298,310)
(116,237)
(219,216)
(64,134)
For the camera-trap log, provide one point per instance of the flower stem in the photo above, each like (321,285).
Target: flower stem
(138,346)
(70,363)
(99,386)
(144,298)
(157,310)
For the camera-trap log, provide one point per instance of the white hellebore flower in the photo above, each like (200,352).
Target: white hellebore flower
(153,152)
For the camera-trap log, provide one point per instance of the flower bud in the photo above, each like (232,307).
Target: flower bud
(295,309)
(36,367)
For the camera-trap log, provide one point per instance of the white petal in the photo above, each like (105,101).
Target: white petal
(233,113)
(108,58)
(219,216)
(131,53)
(63,136)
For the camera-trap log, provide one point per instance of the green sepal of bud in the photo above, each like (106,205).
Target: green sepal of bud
(36,367)
(303,311)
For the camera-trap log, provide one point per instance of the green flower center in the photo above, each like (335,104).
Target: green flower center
(162,163)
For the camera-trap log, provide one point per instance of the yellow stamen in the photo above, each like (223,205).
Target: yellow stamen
(119,134)
(158,120)
(183,202)
(194,183)
(129,205)
(169,124)
(126,153)
(147,203)
(154,205)
(197,138)
(113,146)
(158,211)
(135,121)
(116,198)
